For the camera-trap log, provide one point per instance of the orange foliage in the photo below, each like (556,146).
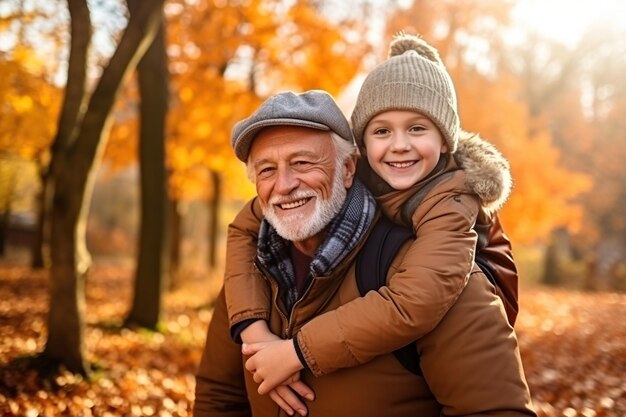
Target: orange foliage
(451,24)
(587,122)
(544,191)
(30,105)
(490,104)
(225,60)
(121,148)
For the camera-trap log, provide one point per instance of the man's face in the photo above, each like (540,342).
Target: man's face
(299,182)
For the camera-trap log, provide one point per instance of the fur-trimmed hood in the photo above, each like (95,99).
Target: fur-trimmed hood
(487,171)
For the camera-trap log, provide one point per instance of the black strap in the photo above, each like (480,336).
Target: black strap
(374,259)
(372,264)
(486,267)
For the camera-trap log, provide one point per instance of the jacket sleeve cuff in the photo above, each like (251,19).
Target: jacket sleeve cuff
(296,346)
(236,329)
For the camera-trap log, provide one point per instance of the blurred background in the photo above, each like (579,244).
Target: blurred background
(117,179)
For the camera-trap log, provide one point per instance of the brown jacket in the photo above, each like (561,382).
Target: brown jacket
(441,260)
(470,361)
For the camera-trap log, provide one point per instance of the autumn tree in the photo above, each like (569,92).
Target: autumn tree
(607,86)
(80,141)
(225,59)
(152,259)
(27,95)
(7,195)
(30,98)
(588,124)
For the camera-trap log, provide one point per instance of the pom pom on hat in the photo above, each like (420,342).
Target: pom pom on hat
(413,78)
(402,43)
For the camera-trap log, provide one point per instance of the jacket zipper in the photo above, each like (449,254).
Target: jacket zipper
(288,320)
(264,272)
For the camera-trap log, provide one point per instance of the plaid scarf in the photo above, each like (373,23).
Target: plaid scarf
(344,233)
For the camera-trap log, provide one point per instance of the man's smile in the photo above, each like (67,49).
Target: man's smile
(294,204)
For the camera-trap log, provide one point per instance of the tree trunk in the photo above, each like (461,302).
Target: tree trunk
(214,206)
(551,265)
(73,174)
(5,213)
(590,282)
(72,111)
(557,252)
(152,258)
(65,342)
(70,264)
(40,250)
(175,225)
(4,225)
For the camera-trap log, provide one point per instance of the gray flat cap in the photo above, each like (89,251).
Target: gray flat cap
(315,109)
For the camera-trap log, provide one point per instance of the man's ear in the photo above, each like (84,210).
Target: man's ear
(349,169)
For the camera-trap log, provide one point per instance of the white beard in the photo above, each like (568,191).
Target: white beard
(297,227)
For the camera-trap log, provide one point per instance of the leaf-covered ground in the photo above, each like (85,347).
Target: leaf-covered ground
(573,346)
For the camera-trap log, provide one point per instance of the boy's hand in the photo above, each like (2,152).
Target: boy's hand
(284,394)
(272,363)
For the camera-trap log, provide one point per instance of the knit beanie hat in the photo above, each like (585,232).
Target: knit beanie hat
(413,78)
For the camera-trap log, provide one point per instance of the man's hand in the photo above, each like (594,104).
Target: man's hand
(272,363)
(286,398)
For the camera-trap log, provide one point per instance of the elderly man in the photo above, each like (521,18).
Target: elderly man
(317,216)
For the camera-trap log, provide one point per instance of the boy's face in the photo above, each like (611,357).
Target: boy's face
(403,147)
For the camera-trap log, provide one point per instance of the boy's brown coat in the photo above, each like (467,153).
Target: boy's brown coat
(441,259)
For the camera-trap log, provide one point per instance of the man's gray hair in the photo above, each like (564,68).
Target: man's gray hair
(345,149)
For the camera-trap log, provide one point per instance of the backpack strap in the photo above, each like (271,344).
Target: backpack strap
(375,257)
(485,266)
(373,262)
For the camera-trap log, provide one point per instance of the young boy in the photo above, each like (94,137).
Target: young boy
(405,121)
